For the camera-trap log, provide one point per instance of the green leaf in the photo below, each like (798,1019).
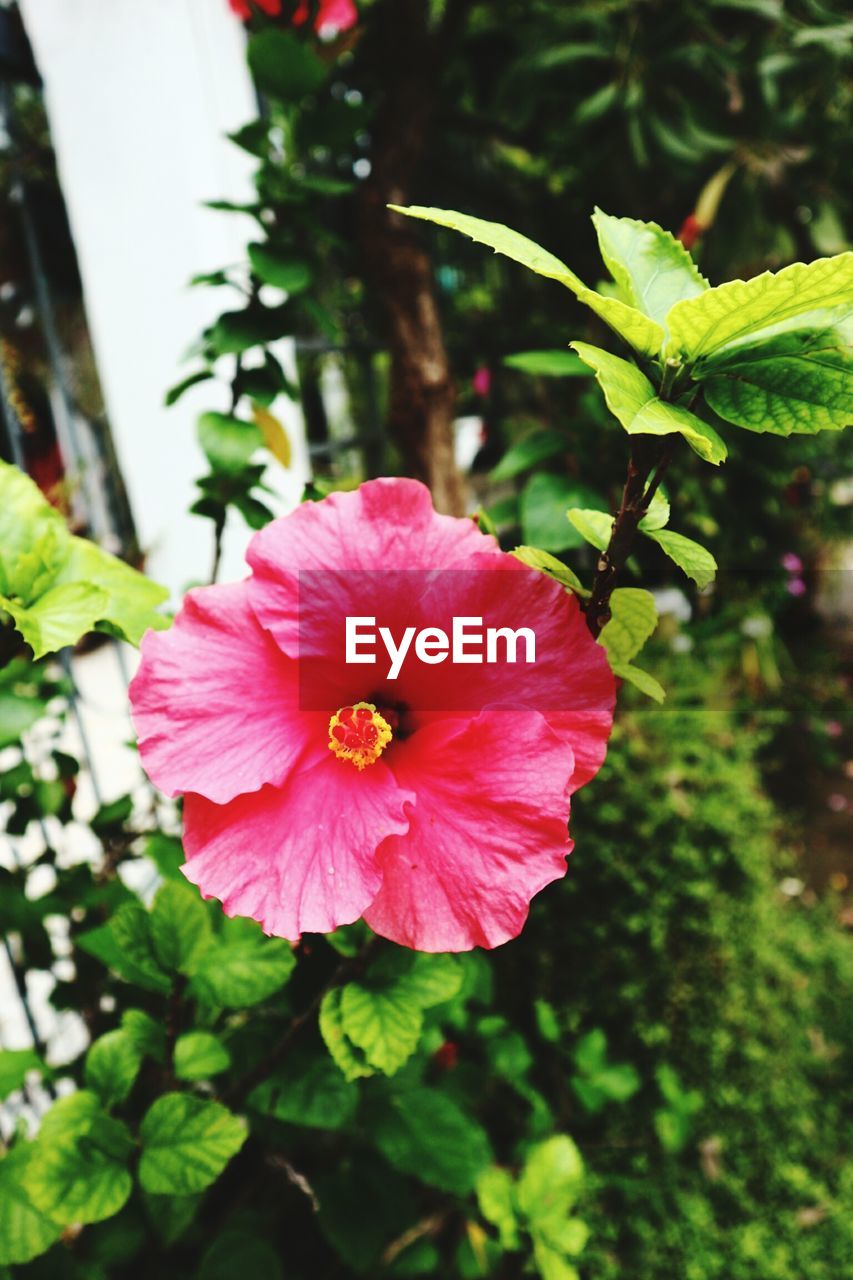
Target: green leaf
(241,974)
(58,587)
(646,683)
(186,1143)
(293,275)
(148,1036)
(429,980)
(548,364)
(633,618)
(228,442)
(112,1065)
(695,560)
(283,66)
(632,400)
(424,1133)
(645,335)
(799,381)
(549,564)
(702,325)
(382,1016)
(132,599)
(254,326)
(174,393)
(551,1180)
(180,927)
(594,526)
(349,1058)
(25,1230)
(543,505)
(59,618)
(652,269)
(32,536)
(525,454)
(239,1253)
(307,1090)
(78,1170)
(550,1264)
(17,714)
(135,958)
(200,1055)
(15,1066)
(657,516)
(496,1198)
(385,1024)
(171,1216)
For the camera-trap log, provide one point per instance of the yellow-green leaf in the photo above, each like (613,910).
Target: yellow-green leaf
(632,399)
(638,330)
(546,563)
(652,269)
(694,559)
(724,315)
(594,527)
(633,618)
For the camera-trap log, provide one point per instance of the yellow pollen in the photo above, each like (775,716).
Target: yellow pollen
(359,734)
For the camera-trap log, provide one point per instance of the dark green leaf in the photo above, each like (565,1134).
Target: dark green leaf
(174,393)
(548,364)
(281,269)
(283,66)
(307,1090)
(525,454)
(424,1133)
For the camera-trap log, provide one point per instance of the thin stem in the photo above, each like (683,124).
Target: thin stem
(219,529)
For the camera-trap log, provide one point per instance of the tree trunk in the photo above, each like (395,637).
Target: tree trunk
(397,269)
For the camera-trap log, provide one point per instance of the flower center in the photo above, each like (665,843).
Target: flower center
(359,734)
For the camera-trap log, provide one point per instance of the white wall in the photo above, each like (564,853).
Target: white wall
(139,95)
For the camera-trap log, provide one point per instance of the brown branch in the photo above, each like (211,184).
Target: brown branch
(649,458)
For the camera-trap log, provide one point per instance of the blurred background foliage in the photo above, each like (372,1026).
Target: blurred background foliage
(679,1003)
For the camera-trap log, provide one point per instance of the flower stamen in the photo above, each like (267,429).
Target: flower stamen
(359,734)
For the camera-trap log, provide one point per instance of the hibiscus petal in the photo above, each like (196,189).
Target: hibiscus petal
(384,524)
(215,701)
(300,858)
(487,833)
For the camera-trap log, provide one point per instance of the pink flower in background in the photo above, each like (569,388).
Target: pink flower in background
(792,562)
(434,805)
(332,16)
(482,381)
(243,8)
(796,587)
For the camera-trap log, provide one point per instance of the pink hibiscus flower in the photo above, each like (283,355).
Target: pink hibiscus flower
(316,791)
